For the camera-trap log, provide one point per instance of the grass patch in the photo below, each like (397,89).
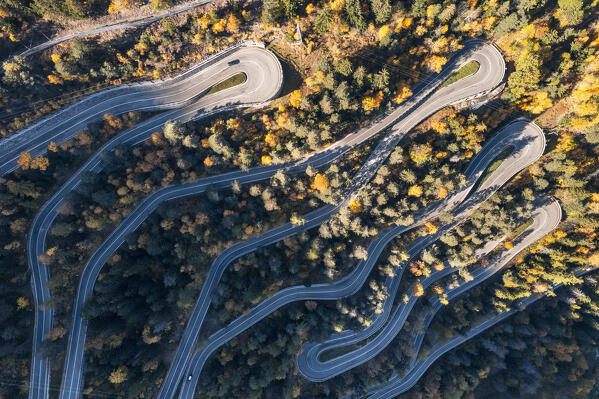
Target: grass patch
(466,70)
(225,84)
(498,160)
(492,168)
(520,229)
(336,352)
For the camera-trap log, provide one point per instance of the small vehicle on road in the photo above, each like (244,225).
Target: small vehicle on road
(234,62)
(189,377)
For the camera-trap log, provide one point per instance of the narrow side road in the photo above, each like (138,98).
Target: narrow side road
(127,24)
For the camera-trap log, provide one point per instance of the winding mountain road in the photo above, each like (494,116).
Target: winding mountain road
(520,134)
(545,218)
(184,95)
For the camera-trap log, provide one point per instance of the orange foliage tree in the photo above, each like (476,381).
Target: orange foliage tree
(372,102)
(418,290)
(26,161)
(320,183)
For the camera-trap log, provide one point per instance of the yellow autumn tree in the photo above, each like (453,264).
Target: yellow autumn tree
(418,290)
(416,268)
(119,375)
(233,124)
(439,266)
(538,103)
(203,22)
(403,93)
(55,80)
(52,147)
(406,22)
(219,26)
(157,138)
(440,44)
(383,32)
(442,192)
(22,303)
(266,121)
(270,139)
(266,160)
(336,5)
(233,23)
(420,153)
(208,161)
(282,118)
(24,160)
(436,62)
(415,190)
(355,206)
(372,102)
(40,163)
(320,182)
(314,81)
(297,220)
(583,102)
(431,228)
(439,126)
(295,98)
(118,5)
(148,338)
(420,30)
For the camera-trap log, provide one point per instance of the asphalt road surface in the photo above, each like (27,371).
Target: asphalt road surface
(354,281)
(545,218)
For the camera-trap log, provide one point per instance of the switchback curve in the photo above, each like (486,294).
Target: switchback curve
(528,141)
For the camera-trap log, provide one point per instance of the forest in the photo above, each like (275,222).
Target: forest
(358,59)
